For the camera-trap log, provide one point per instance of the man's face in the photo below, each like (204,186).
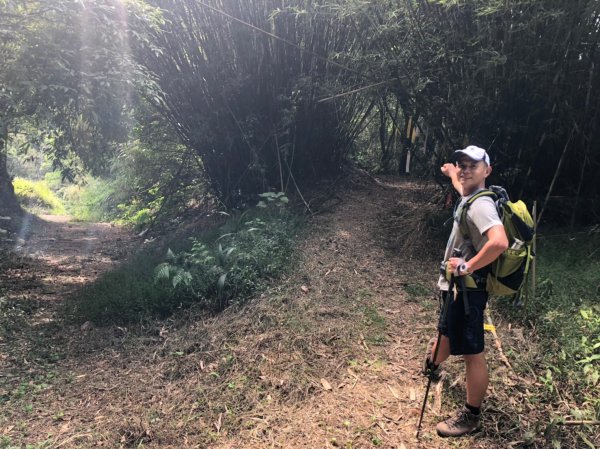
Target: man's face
(472,174)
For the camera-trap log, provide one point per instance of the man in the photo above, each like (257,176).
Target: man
(479,247)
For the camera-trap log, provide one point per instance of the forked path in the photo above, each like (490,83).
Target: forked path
(327,357)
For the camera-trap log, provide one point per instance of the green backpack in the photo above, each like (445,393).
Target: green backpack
(509,272)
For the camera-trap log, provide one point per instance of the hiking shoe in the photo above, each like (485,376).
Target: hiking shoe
(429,369)
(461,423)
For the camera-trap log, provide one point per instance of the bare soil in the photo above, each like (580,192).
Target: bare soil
(328,357)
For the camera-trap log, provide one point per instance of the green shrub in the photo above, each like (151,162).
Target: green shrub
(137,214)
(53,180)
(36,195)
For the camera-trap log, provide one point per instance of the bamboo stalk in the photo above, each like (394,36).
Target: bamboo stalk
(277,148)
(557,171)
(360,89)
(534,247)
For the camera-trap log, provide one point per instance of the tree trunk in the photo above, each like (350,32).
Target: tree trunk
(8,200)
(385,156)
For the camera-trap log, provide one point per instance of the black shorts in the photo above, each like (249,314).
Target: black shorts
(465,334)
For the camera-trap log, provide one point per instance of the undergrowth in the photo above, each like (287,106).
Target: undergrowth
(216,268)
(565,313)
(37,196)
(92,201)
(110,200)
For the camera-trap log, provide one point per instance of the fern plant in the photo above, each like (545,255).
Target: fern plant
(255,245)
(171,270)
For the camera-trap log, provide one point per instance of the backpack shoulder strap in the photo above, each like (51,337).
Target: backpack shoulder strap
(462,223)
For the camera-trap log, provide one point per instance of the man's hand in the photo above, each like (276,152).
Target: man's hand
(450,170)
(454,263)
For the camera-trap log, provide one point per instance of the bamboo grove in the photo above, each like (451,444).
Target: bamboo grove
(278,94)
(517,77)
(243,93)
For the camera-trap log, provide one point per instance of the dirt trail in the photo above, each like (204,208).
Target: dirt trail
(380,305)
(52,256)
(57,240)
(48,259)
(328,357)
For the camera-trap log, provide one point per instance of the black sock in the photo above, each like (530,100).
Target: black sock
(474,410)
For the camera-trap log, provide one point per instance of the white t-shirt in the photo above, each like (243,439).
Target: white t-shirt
(481,216)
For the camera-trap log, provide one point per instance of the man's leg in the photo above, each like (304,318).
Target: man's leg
(443,352)
(468,418)
(431,367)
(477,379)
(466,334)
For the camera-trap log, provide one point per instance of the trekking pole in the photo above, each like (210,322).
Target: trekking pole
(449,297)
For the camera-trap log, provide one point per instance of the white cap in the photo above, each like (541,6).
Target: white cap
(473,152)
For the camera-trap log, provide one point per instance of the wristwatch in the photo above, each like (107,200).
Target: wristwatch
(463,269)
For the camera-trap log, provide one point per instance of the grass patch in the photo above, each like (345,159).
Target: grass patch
(37,196)
(375,326)
(416,291)
(110,200)
(93,201)
(220,267)
(127,293)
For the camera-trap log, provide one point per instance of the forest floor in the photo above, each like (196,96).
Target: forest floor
(329,356)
